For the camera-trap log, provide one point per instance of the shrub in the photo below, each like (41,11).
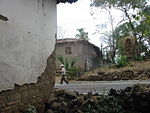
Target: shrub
(30,109)
(68,62)
(72,71)
(139,58)
(121,61)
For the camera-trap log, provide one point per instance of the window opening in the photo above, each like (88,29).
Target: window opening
(68,50)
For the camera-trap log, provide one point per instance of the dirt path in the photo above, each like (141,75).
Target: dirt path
(58,78)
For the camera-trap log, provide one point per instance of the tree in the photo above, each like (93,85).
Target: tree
(107,32)
(82,34)
(128,7)
(133,12)
(142,27)
(60,32)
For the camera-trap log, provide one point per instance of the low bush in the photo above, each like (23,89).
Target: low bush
(72,72)
(139,58)
(121,61)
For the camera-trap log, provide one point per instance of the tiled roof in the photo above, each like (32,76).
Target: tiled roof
(64,1)
(67,40)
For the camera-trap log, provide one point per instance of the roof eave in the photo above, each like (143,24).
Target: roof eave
(64,1)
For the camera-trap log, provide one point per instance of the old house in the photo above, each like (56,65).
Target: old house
(27,63)
(88,55)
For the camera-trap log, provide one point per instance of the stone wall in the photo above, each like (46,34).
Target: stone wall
(36,94)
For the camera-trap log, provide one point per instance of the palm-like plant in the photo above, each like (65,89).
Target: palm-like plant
(68,63)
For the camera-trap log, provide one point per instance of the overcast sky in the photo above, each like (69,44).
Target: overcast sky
(78,15)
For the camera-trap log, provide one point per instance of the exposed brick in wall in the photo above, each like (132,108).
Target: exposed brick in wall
(16,100)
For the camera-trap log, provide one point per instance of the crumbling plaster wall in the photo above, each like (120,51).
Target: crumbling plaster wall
(27,57)
(35,94)
(27,39)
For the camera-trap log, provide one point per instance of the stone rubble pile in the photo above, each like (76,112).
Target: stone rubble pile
(63,101)
(135,99)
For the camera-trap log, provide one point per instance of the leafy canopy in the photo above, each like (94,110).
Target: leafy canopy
(82,34)
(121,3)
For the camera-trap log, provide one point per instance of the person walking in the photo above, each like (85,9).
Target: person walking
(63,74)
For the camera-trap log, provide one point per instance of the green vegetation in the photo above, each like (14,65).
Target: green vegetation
(134,22)
(30,109)
(82,34)
(68,62)
(72,71)
(121,61)
(139,58)
(69,65)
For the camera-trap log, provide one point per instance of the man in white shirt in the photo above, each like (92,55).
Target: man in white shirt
(63,73)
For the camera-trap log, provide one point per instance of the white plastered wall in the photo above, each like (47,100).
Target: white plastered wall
(27,39)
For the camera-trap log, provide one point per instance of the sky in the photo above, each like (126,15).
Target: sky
(71,17)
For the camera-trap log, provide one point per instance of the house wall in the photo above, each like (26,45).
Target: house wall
(76,49)
(27,42)
(91,57)
(81,50)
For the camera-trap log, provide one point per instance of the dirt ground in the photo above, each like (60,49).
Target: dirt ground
(58,79)
(139,70)
(136,65)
